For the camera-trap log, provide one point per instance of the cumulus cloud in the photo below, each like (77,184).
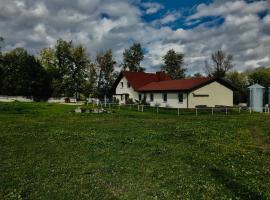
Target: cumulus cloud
(168,18)
(116,24)
(152,8)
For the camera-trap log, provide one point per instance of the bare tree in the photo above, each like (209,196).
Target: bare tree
(220,65)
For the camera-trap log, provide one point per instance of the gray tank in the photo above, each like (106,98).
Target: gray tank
(256,95)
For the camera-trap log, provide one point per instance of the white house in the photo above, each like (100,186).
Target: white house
(159,90)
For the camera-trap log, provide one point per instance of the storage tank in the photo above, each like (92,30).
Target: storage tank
(256,93)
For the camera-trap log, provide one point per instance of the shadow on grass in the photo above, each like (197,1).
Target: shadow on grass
(238,190)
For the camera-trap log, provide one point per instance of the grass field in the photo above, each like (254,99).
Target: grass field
(48,152)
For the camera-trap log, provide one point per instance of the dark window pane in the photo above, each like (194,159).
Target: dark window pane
(180,97)
(151,97)
(165,97)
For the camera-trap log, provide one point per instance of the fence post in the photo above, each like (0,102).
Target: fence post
(178,112)
(226,111)
(212,111)
(249,110)
(196,112)
(138,107)
(157,109)
(239,109)
(142,108)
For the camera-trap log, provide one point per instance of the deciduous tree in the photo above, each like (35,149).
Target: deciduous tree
(105,65)
(220,64)
(133,57)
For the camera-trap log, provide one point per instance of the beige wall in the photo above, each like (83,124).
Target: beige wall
(125,90)
(218,95)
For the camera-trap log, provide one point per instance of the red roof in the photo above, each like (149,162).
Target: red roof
(174,85)
(139,79)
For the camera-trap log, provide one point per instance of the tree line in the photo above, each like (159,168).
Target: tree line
(68,70)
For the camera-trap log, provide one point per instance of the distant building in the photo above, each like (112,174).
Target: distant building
(158,89)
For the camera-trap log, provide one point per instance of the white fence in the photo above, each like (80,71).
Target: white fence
(15,98)
(178,111)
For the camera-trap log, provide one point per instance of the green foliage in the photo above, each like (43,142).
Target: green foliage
(133,57)
(260,75)
(23,75)
(173,64)
(69,67)
(105,65)
(48,152)
(240,80)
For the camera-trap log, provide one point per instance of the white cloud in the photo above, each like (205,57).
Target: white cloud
(168,18)
(152,8)
(116,24)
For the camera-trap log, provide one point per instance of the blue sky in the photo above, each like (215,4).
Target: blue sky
(193,27)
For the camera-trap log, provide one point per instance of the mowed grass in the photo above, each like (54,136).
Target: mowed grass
(49,152)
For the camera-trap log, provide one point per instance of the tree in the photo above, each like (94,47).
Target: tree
(173,64)
(1,64)
(240,80)
(220,65)
(24,75)
(260,75)
(133,57)
(105,65)
(67,64)
(197,75)
(77,71)
(1,40)
(90,85)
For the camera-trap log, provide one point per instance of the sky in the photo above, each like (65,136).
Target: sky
(193,27)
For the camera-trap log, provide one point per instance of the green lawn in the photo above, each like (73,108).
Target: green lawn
(49,152)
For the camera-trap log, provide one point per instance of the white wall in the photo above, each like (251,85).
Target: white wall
(172,100)
(125,90)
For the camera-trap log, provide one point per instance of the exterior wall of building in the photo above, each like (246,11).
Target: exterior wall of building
(217,95)
(172,100)
(125,90)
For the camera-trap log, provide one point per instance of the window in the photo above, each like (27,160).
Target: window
(122,84)
(128,85)
(180,97)
(151,97)
(140,97)
(164,97)
(144,97)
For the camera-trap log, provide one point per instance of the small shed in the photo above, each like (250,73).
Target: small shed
(256,96)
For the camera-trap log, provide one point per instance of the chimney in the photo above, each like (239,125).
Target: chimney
(161,76)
